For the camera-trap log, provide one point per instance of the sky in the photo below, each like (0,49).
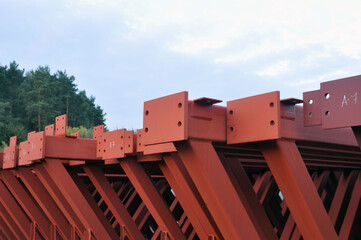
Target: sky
(128,52)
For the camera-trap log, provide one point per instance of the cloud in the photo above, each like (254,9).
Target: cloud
(126,52)
(276,69)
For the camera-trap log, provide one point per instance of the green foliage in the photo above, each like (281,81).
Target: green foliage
(2,146)
(30,101)
(83,131)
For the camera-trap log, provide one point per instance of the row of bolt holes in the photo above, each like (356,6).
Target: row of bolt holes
(272,122)
(179,122)
(327,113)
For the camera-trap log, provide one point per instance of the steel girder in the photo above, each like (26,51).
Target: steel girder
(260,168)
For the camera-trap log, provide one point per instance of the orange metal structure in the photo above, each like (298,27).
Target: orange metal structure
(259,168)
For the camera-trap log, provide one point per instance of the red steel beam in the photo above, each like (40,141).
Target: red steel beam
(91,201)
(354,204)
(76,199)
(14,210)
(294,181)
(151,197)
(203,164)
(189,198)
(8,225)
(45,201)
(27,203)
(59,199)
(339,196)
(248,197)
(112,200)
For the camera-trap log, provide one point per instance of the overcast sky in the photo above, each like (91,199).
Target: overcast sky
(128,52)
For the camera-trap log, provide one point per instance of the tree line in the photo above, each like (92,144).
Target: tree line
(31,100)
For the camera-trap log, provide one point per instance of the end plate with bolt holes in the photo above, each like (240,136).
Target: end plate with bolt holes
(341,103)
(312,108)
(60,126)
(335,105)
(33,149)
(10,154)
(166,119)
(255,118)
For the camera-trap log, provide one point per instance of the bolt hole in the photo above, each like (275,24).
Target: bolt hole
(231,112)
(104,150)
(105,140)
(121,137)
(179,105)
(147,113)
(272,122)
(310,114)
(128,145)
(327,113)
(310,101)
(140,144)
(99,150)
(179,123)
(327,95)
(121,148)
(271,104)
(128,137)
(231,128)
(146,129)
(140,135)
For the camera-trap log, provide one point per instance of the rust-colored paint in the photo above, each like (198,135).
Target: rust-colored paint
(254,118)
(262,168)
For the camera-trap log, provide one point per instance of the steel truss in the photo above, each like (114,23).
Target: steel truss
(259,168)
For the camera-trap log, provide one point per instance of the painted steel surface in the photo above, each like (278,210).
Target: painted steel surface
(260,168)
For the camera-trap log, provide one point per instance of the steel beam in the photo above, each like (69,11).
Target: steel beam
(338,200)
(83,188)
(189,197)
(294,181)
(60,200)
(76,199)
(113,202)
(8,225)
(151,197)
(26,202)
(14,210)
(351,213)
(45,201)
(203,164)
(249,198)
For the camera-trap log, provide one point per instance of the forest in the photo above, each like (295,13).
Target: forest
(30,100)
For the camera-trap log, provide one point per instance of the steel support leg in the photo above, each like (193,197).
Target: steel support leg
(189,197)
(113,202)
(45,201)
(351,213)
(7,226)
(216,188)
(248,197)
(343,187)
(14,210)
(80,205)
(294,181)
(60,200)
(151,197)
(27,203)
